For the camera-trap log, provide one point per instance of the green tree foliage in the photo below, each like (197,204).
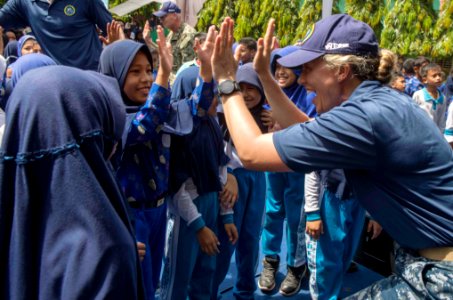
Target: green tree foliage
(443,32)
(371,12)
(285,21)
(408,28)
(309,13)
(246,12)
(213,12)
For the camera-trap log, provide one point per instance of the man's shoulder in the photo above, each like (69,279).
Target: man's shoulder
(188,30)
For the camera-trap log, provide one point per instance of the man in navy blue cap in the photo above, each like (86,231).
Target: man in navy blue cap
(182,34)
(396,161)
(66,30)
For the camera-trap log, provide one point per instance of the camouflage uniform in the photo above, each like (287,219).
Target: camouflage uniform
(182,44)
(415,277)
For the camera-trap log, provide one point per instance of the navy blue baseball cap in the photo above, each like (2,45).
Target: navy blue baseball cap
(167,8)
(336,34)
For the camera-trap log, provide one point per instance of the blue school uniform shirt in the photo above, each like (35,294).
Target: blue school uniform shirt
(412,85)
(66,30)
(144,161)
(397,162)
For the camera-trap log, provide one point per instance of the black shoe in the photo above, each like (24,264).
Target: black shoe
(292,282)
(352,267)
(266,283)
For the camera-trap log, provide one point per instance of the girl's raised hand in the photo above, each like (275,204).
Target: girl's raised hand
(223,64)
(146,31)
(265,46)
(114,33)
(165,53)
(204,53)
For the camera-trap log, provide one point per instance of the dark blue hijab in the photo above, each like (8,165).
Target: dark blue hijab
(296,93)
(21,43)
(64,231)
(200,153)
(115,61)
(448,91)
(10,50)
(247,74)
(22,66)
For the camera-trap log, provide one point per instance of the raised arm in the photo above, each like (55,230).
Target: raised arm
(256,150)
(284,111)
(165,58)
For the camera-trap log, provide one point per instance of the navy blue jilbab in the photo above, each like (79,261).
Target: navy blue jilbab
(199,154)
(142,160)
(64,230)
(296,92)
(20,67)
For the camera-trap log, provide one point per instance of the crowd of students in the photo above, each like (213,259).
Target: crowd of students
(120,182)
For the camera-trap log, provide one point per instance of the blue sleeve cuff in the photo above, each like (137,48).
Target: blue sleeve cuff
(197,224)
(202,95)
(228,219)
(313,215)
(158,96)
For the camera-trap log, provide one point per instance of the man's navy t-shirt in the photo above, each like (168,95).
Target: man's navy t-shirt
(399,165)
(65,29)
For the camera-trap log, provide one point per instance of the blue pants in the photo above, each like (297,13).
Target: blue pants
(329,256)
(188,271)
(415,277)
(285,199)
(248,215)
(150,227)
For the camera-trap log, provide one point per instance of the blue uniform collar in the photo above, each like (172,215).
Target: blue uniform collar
(429,98)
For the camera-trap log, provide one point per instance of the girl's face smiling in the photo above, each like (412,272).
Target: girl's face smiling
(285,77)
(138,80)
(252,95)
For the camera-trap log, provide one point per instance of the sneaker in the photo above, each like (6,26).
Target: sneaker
(266,283)
(293,280)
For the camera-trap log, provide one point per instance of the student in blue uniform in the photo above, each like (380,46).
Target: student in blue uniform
(22,66)
(195,183)
(65,30)
(24,47)
(249,208)
(64,229)
(334,224)
(285,198)
(408,190)
(142,161)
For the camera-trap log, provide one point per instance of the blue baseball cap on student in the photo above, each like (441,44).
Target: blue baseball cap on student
(336,34)
(167,8)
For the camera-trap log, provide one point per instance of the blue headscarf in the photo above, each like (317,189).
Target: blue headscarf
(22,66)
(448,91)
(296,93)
(64,230)
(10,50)
(21,43)
(115,61)
(200,153)
(247,74)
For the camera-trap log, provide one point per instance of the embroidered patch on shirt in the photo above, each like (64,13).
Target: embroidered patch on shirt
(69,10)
